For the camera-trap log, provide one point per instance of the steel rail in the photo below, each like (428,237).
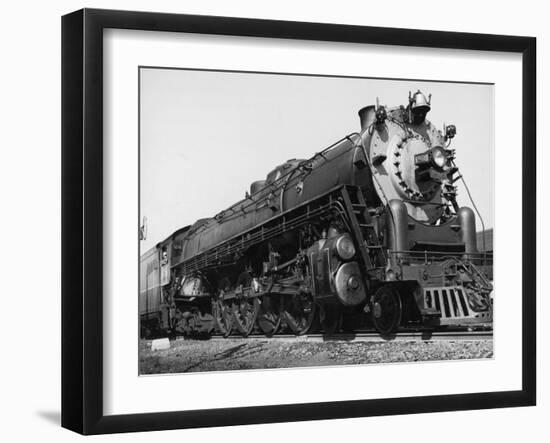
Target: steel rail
(414,336)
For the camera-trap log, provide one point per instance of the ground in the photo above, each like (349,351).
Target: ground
(263,353)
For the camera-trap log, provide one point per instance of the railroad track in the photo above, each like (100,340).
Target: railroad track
(374,337)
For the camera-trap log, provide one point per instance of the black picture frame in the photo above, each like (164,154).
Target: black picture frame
(82,220)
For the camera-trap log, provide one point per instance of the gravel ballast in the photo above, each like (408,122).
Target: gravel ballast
(253,353)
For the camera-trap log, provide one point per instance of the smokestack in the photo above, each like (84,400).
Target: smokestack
(367,116)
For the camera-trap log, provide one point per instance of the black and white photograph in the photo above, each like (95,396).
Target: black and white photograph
(293,221)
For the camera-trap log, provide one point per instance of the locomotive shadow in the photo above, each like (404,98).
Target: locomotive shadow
(193,337)
(348,337)
(340,337)
(239,351)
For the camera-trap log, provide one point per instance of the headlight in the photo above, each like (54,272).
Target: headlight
(439,157)
(345,248)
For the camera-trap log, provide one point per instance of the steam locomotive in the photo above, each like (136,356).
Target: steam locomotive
(366,233)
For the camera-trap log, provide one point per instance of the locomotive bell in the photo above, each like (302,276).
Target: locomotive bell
(419,102)
(419,107)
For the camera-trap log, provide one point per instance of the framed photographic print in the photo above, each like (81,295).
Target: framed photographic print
(269,221)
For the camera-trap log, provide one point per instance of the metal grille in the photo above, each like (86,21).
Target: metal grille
(451,302)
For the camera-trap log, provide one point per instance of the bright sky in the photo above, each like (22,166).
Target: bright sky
(205,136)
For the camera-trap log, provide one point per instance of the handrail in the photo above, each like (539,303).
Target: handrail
(485,257)
(261,232)
(273,186)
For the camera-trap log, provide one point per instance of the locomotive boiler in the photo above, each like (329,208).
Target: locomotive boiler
(366,233)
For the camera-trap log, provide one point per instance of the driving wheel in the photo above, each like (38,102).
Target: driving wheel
(387,310)
(245,308)
(269,314)
(299,313)
(221,310)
